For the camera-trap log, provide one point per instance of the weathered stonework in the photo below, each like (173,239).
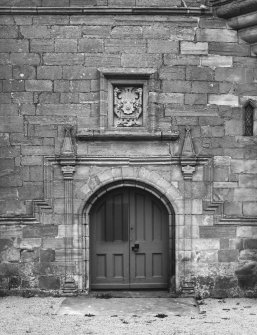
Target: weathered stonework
(65,140)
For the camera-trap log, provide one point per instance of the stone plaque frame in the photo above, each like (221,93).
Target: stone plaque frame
(125,77)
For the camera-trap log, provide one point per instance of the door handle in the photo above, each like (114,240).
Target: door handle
(135,247)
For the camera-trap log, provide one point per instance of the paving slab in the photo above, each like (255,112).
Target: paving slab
(93,306)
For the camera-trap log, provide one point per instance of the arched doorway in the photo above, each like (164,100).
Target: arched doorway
(131,241)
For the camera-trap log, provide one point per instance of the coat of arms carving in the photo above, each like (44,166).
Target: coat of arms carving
(128,106)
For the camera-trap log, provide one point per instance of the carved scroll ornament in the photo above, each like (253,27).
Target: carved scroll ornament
(128,106)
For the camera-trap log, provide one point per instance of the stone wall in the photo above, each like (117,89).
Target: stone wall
(49,79)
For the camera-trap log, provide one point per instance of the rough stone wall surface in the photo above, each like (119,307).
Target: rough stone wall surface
(49,78)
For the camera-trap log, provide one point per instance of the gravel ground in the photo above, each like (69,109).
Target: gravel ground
(38,316)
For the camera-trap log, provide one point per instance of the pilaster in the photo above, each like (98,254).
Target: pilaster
(188,167)
(68,161)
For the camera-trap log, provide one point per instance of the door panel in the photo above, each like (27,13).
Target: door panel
(149,220)
(109,242)
(119,221)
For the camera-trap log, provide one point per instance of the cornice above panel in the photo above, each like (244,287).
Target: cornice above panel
(172,136)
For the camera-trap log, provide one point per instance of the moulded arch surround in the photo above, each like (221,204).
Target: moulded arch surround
(104,189)
(127,183)
(143,178)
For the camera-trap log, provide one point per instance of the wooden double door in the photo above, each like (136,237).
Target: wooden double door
(129,241)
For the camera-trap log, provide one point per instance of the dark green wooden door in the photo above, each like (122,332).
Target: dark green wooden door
(129,241)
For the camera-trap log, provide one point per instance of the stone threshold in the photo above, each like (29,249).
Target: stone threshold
(108,294)
(186,11)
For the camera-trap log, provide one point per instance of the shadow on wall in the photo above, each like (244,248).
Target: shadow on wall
(247,276)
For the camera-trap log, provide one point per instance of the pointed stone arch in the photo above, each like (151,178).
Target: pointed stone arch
(248,118)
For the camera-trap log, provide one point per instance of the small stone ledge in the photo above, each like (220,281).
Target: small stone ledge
(172,136)
(17,220)
(186,11)
(238,221)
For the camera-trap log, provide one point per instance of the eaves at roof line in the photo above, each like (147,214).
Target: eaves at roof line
(186,11)
(231,8)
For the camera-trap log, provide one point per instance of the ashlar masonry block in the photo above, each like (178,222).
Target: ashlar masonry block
(63,58)
(162,46)
(191,48)
(248,194)
(244,166)
(24,72)
(166,98)
(91,45)
(223,100)
(125,31)
(8,32)
(173,73)
(126,45)
(141,60)
(206,244)
(65,32)
(199,73)
(248,180)
(13,45)
(5,72)
(233,127)
(214,61)
(30,243)
(32,32)
(228,255)
(229,49)
(49,72)
(13,85)
(216,35)
(25,59)
(244,232)
(238,75)
(210,232)
(39,85)
(176,86)
(233,208)
(250,208)
(66,45)
(53,243)
(42,45)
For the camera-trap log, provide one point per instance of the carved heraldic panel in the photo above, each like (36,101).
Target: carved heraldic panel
(128,106)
